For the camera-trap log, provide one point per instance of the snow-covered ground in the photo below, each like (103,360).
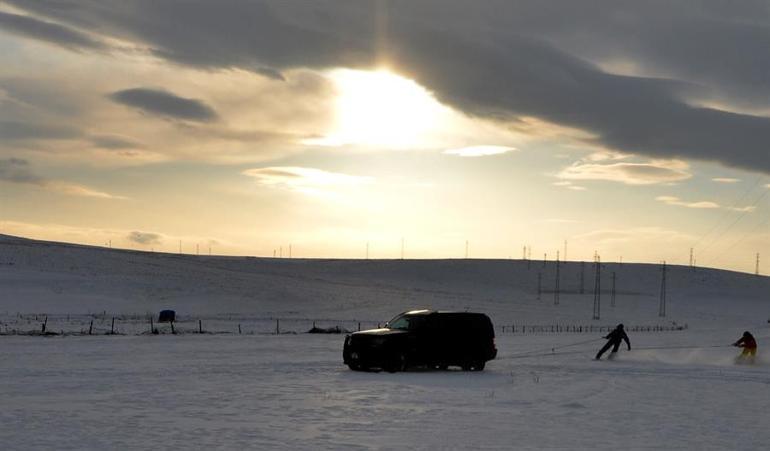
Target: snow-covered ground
(292,392)
(674,390)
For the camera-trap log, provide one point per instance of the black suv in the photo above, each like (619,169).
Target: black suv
(424,338)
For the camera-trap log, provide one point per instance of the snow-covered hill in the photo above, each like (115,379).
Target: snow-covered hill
(673,390)
(48,277)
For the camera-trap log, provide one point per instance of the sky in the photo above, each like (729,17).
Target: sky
(635,131)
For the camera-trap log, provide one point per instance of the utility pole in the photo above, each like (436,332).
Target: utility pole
(545,258)
(556,289)
(612,297)
(280,252)
(528,255)
(691,257)
(756,269)
(597,290)
(662,309)
(565,251)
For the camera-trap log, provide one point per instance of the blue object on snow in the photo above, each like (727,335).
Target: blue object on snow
(167,316)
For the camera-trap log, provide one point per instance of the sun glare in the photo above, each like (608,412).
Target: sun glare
(381,109)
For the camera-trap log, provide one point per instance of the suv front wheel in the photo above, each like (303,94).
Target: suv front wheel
(396,363)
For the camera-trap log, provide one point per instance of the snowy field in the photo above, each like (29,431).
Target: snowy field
(674,390)
(292,391)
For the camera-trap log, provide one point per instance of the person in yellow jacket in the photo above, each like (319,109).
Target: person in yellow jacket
(749,345)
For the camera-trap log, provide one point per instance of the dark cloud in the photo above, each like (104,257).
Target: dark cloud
(49,32)
(16,170)
(145,238)
(501,59)
(164,103)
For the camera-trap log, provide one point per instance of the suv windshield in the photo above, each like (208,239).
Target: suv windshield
(406,322)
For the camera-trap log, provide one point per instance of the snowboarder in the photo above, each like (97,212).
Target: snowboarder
(749,345)
(614,337)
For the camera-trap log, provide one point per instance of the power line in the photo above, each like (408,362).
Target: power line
(735,243)
(727,211)
(738,219)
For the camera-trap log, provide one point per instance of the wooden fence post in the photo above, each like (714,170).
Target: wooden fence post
(91,327)
(200,327)
(112,328)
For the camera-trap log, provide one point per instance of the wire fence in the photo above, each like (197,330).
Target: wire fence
(146,324)
(105,323)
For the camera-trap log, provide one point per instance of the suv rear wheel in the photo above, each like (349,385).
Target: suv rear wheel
(474,366)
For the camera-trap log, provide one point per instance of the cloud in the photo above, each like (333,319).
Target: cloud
(654,172)
(164,103)
(48,32)
(606,156)
(479,151)
(631,235)
(20,131)
(560,68)
(560,221)
(301,179)
(725,180)
(115,142)
(746,209)
(569,185)
(145,238)
(16,170)
(672,200)
(73,189)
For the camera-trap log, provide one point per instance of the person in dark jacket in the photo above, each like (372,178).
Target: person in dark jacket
(614,338)
(749,345)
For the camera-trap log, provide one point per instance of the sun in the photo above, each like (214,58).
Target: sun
(382,109)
